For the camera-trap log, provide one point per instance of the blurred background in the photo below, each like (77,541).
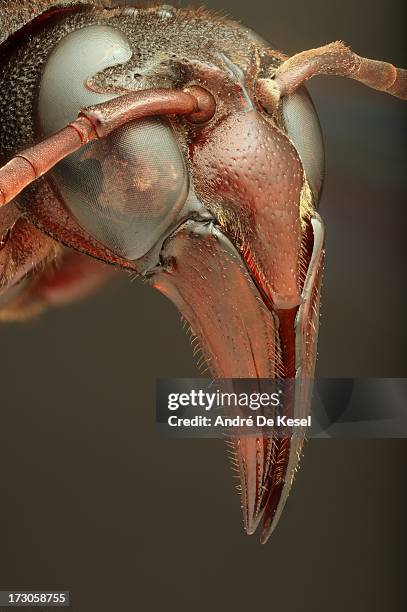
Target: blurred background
(95,502)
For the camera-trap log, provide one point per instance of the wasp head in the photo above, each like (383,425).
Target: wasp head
(217,210)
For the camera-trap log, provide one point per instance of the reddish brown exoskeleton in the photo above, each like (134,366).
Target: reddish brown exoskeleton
(178,145)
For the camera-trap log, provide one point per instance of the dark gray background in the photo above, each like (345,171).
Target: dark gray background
(93,501)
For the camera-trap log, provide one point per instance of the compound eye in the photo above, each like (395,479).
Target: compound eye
(128,189)
(125,190)
(304,130)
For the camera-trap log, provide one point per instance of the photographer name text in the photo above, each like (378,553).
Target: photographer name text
(238,421)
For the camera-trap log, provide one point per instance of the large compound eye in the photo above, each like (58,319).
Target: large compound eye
(304,131)
(125,190)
